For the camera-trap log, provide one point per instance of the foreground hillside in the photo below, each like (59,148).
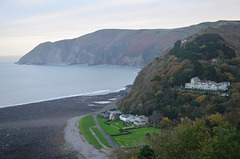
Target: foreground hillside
(158,85)
(113,46)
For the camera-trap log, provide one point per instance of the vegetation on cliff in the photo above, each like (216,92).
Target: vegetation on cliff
(158,85)
(204,124)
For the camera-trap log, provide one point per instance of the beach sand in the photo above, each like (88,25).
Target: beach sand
(47,129)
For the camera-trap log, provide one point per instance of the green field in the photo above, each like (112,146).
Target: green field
(137,138)
(101,137)
(109,130)
(84,124)
(118,124)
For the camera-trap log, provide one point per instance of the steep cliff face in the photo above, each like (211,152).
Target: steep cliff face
(112,46)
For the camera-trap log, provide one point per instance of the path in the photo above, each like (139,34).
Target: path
(100,142)
(109,140)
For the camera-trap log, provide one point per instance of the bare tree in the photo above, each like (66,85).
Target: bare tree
(156,117)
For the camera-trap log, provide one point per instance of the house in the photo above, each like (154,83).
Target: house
(223,86)
(126,117)
(137,120)
(114,114)
(140,120)
(113,117)
(214,60)
(111,114)
(132,119)
(183,41)
(196,83)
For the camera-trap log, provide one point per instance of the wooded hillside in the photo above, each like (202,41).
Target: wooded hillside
(158,85)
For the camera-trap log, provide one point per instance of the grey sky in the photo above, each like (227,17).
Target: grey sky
(26,23)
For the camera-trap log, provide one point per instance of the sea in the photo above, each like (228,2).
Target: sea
(22,84)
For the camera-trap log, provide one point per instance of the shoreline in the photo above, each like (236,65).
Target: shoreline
(95,93)
(37,130)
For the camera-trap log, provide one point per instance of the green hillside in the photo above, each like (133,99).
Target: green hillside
(158,85)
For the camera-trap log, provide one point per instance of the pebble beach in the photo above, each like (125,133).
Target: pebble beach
(49,129)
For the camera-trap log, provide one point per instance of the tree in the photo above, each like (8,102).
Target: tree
(201,99)
(211,73)
(165,122)
(177,43)
(210,138)
(123,153)
(146,153)
(156,117)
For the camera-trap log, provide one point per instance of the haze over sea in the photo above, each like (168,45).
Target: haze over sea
(32,83)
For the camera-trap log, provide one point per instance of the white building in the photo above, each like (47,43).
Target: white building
(140,120)
(126,117)
(113,114)
(137,120)
(196,83)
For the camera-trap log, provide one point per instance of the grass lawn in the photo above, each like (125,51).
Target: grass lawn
(119,124)
(109,130)
(84,124)
(101,137)
(135,139)
(138,137)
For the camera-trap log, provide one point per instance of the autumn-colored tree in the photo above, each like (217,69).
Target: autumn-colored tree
(122,153)
(210,138)
(216,120)
(201,98)
(165,122)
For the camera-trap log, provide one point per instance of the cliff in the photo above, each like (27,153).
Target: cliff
(113,46)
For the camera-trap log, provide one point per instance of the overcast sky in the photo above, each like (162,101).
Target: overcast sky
(26,23)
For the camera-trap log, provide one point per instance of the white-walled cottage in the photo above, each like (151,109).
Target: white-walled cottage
(140,120)
(126,117)
(196,83)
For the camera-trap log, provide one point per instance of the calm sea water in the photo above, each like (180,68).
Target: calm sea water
(30,83)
